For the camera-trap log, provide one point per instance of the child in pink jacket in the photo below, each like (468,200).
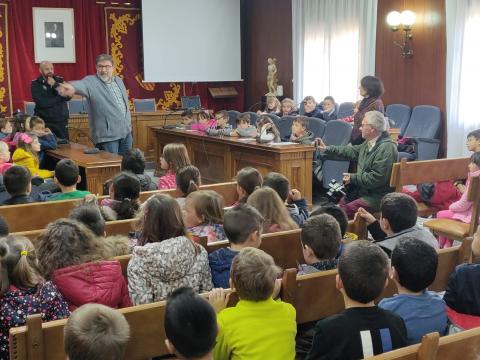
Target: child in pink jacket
(204,122)
(462,209)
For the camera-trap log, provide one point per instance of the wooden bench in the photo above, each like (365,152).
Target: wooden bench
(426,350)
(315,296)
(26,217)
(427,171)
(464,345)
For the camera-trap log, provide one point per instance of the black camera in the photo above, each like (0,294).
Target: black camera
(336,191)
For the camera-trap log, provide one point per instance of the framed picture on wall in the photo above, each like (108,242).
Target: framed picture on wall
(53,35)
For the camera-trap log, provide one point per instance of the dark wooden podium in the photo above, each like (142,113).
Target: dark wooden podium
(95,169)
(219,158)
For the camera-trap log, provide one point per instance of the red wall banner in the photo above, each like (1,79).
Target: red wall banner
(98,29)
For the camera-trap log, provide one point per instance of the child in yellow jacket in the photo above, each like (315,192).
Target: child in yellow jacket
(26,155)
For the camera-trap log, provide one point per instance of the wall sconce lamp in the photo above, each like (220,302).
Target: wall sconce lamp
(405,19)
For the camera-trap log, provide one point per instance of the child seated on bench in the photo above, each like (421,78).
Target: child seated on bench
(296,205)
(197,340)
(341,216)
(165,258)
(248,180)
(27,154)
(363,329)
(23,290)
(133,160)
(5,163)
(244,128)
(463,294)
(17,181)
(462,209)
(398,220)
(188,180)
(77,262)
(123,202)
(174,157)
(258,327)
(90,215)
(300,133)
(321,240)
(95,331)
(221,127)
(5,128)
(273,210)
(243,226)
(67,176)
(203,215)
(414,267)
(48,141)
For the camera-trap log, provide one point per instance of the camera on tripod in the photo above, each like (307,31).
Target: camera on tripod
(336,191)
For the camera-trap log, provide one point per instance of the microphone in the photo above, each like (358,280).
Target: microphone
(93,150)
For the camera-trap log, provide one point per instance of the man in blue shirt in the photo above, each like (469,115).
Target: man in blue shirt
(414,266)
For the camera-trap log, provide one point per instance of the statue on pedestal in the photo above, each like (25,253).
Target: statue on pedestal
(272,76)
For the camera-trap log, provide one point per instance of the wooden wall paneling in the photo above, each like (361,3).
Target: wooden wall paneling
(267,32)
(421,79)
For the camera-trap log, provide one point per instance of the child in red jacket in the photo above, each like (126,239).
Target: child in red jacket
(75,260)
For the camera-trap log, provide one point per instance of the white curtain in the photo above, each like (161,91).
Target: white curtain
(333,47)
(463,76)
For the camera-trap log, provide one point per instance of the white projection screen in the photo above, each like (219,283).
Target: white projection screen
(191,40)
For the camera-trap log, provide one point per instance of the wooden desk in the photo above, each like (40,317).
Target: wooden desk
(219,158)
(141,124)
(95,168)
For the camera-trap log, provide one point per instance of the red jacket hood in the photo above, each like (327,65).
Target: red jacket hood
(98,282)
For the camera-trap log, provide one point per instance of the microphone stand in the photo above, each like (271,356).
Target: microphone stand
(93,150)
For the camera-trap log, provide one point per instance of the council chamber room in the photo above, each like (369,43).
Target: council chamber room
(239,179)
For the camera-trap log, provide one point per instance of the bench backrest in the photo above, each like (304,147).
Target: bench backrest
(315,296)
(117,227)
(26,217)
(427,171)
(464,345)
(426,350)
(45,341)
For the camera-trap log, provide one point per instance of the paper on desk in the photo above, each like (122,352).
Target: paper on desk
(284,143)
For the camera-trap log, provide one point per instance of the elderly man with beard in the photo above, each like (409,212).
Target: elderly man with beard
(109,114)
(49,104)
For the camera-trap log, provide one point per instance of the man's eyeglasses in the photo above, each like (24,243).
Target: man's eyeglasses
(106,67)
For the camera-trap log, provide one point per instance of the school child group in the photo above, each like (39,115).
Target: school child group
(70,272)
(265,130)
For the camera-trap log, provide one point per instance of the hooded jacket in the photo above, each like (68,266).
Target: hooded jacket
(390,242)
(24,158)
(374,167)
(99,282)
(306,138)
(220,264)
(157,269)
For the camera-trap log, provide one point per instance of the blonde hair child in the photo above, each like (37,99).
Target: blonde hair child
(26,155)
(4,157)
(23,290)
(272,208)
(203,215)
(174,157)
